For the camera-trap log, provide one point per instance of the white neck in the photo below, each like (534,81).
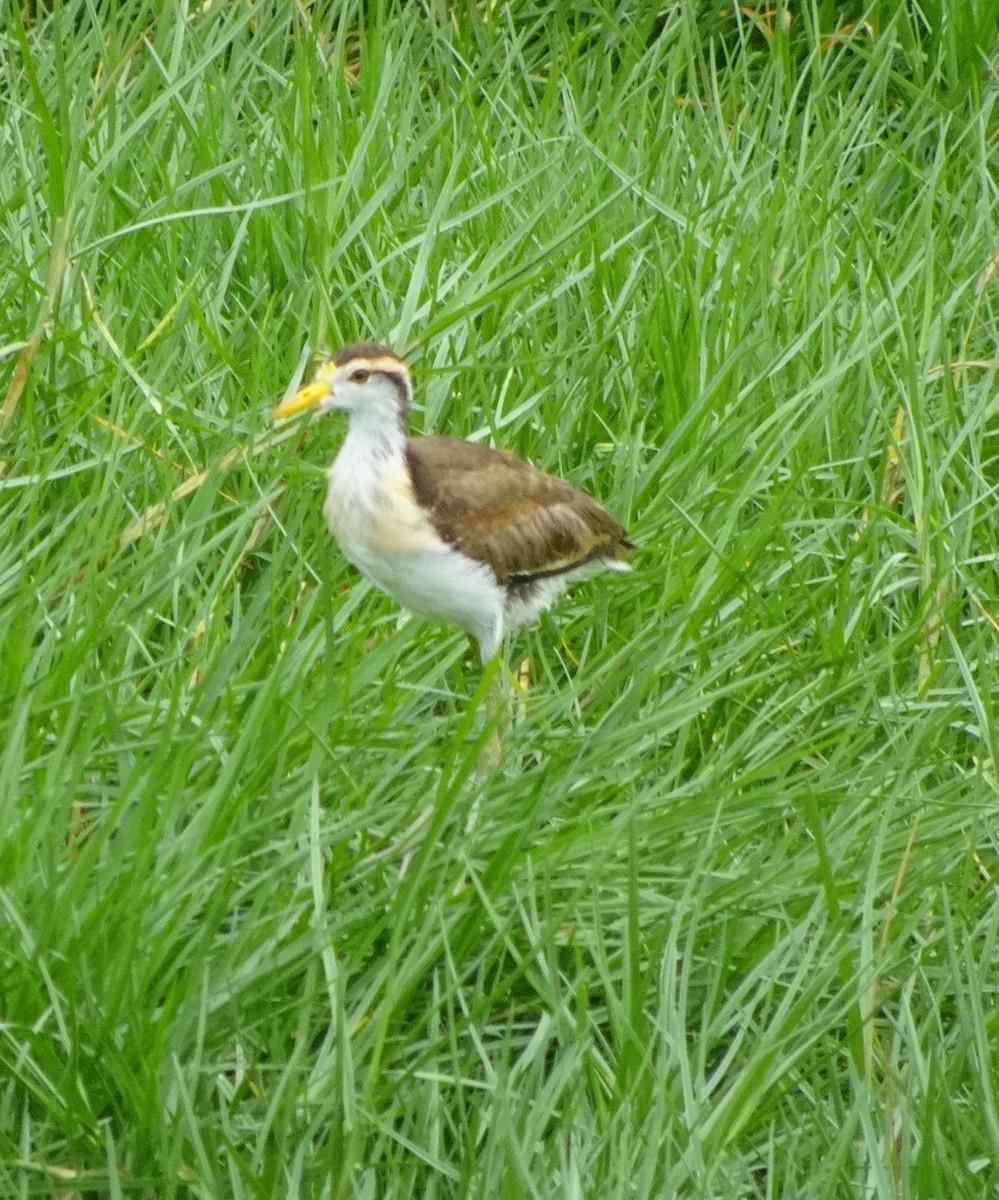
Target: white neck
(376,438)
(370,466)
(371,459)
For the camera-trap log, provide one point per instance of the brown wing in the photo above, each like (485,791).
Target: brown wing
(500,510)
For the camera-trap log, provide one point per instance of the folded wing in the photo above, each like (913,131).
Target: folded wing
(506,513)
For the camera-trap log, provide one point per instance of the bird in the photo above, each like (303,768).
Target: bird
(461,533)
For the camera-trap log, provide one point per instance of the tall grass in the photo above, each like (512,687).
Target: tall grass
(725,922)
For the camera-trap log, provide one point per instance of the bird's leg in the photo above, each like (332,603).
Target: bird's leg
(496,702)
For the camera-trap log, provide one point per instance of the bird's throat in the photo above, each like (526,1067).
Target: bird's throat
(375,444)
(366,474)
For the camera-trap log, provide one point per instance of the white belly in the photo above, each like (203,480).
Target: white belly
(388,537)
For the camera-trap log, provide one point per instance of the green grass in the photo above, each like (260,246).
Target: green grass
(726,924)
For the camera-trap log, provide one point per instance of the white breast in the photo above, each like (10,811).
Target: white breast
(372,512)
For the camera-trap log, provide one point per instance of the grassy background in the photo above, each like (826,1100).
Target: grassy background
(727,921)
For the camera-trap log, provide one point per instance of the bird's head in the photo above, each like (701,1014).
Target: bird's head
(365,379)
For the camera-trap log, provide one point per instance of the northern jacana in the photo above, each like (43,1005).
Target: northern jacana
(454,531)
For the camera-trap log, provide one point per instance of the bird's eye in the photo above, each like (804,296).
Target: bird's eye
(360,375)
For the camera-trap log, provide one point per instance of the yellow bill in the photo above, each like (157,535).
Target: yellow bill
(304,398)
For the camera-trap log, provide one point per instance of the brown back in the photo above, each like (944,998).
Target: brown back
(502,511)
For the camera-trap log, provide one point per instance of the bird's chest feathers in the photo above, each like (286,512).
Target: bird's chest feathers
(370,507)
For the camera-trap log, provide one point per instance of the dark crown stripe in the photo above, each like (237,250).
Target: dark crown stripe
(363,350)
